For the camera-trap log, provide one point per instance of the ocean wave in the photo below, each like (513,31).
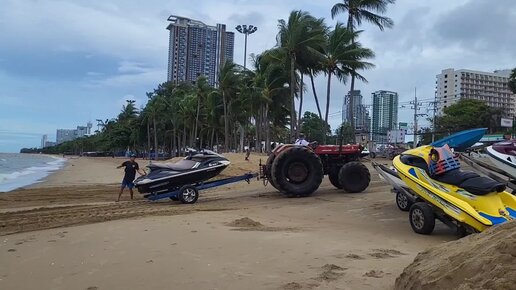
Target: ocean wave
(33,174)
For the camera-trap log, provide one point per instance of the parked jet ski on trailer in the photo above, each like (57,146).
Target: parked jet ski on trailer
(198,166)
(430,185)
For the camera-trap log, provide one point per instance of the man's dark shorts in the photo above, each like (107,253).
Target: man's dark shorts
(127,183)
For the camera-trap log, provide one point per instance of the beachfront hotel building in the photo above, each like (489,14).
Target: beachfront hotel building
(452,85)
(360,112)
(385,115)
(63,135)
(197,49)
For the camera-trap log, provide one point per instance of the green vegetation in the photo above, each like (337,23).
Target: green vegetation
(247,107)
(463,115)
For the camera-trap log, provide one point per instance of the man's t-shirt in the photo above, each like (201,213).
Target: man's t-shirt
(301,142)
(130,170)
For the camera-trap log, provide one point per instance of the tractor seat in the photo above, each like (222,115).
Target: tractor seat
(471,182)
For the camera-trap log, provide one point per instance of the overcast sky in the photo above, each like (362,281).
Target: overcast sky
(64,63)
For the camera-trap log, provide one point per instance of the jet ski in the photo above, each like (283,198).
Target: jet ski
(503,155)
(435,187)
(197,167)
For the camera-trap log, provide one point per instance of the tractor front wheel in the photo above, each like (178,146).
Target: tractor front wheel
(333,176)
(354,177)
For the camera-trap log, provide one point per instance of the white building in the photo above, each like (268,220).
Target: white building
(453,85)
(360,112)
(44,140)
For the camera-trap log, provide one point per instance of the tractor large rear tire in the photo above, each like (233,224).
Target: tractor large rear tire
(354,177)
(268,166)
(297,172)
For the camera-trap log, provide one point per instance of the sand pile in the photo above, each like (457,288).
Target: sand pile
(481,261)
(245,223)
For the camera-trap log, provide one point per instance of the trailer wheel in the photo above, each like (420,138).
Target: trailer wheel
(422,218)
(354,177)
(402,201)
(297,172)
(333,176)
(188,194)
(372,155)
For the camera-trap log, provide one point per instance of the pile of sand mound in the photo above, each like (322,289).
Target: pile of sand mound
(481,261)
(245,223)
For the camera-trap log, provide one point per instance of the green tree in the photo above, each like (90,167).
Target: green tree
(359,11)
(467,114)
(512,81)
(302,32)
(228,81)
(312,124)
(341,57)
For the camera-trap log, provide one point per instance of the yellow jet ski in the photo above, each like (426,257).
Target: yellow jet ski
(436,187)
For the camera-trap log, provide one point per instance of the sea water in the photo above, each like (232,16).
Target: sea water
(18,170)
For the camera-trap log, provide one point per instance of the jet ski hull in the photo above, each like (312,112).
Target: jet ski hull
(505,162)
(473,212)
(168,183)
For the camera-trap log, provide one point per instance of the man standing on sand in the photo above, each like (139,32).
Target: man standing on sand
(130,173)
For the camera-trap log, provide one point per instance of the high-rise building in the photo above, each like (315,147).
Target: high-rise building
(385,114)
(452,85)
(44,140)
(196,49)
(360,112)
(63,135)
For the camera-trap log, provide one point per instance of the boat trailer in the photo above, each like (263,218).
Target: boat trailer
(189,193)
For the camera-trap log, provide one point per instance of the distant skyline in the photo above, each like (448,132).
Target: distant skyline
(64,63)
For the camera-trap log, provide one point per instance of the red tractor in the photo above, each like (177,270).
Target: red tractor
(297,170)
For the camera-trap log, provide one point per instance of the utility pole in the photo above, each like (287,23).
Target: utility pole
(434,103)
(416,115)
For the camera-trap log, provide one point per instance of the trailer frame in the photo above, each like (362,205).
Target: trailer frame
(174,193)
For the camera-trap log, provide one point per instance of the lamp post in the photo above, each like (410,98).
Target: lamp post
(246,30)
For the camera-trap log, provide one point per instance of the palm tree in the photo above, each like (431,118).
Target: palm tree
(301,33)
(228,80)
(343,56)
(359,11)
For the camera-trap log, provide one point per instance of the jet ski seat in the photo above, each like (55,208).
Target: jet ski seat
(469,181)
(181,165)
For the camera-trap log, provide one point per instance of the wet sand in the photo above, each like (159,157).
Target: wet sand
(72,235)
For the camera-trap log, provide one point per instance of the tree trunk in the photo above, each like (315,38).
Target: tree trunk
(197,117)
(292,92)
(155,138)
(327,103)
(226,122)
(148,139)
(299,117)
(315,94)
(267,129)
(352,88)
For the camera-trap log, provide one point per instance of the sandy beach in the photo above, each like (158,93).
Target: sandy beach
(68,233)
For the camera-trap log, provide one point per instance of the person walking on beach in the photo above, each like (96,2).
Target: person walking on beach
(131,167)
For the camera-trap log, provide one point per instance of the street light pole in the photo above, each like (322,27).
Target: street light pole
(246,30)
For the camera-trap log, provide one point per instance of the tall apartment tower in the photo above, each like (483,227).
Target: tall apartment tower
(196,49)
(360,113)
(452,85)
(385,114)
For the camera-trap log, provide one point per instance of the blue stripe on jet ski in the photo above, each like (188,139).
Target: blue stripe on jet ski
(412,171)
(495,220)
(511,211)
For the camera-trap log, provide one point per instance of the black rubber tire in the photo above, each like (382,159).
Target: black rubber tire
(402,201)
(268,165)
(307,165)
(333,176)
(188,194)
(354,177)
(372,155)
(422,218)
